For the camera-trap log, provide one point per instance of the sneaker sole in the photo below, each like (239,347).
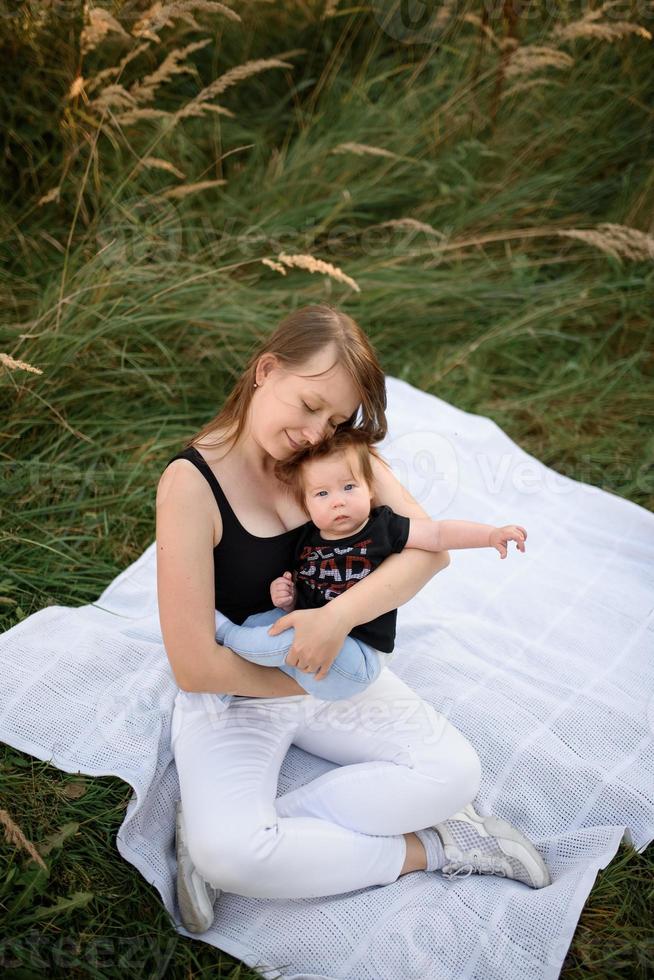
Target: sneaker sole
(193,919)
(522,848)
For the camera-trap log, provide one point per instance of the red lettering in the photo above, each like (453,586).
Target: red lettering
(357,567)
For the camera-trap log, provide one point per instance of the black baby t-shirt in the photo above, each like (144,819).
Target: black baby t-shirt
(324,569)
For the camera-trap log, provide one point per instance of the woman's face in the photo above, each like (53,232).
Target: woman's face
(289,411)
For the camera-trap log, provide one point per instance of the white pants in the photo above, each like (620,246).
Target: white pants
(402,767)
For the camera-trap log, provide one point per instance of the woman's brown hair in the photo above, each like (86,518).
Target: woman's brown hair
(297,338)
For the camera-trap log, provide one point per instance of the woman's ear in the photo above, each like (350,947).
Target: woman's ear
(266,363)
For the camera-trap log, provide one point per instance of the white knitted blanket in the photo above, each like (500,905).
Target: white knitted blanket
(543,660)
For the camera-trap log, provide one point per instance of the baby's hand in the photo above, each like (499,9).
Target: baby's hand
(282,592)
(500,536)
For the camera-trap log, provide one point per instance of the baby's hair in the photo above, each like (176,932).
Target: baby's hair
(291,471)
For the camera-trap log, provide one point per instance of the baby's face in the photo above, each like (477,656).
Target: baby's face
(337,499)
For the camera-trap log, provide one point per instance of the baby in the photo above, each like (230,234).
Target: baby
(342,543)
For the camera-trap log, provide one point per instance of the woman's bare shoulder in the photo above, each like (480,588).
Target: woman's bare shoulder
(183,491)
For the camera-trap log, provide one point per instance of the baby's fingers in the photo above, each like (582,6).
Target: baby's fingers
(519,540)
(518,534)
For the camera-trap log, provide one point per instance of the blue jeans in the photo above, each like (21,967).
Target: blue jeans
(356,666)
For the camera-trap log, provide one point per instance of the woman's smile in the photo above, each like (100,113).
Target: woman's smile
(293,444)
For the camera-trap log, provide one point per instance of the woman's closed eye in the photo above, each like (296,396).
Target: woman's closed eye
(314,410)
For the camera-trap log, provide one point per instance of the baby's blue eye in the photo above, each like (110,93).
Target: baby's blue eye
(349,484)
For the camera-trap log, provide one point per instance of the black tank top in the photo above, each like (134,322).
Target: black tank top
(244,564)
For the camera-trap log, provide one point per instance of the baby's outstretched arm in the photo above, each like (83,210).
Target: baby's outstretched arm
(431,535)
(282,592)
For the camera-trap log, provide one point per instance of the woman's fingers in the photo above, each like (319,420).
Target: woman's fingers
(316,642)
(292,657)
(283,623)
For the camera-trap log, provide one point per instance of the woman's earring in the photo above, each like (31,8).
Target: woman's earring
(256,385)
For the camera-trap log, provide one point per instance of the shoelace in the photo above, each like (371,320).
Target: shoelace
(484,867)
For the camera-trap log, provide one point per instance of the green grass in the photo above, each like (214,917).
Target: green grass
(141,312)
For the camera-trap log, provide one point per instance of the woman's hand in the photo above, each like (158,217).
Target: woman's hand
(500,536)
(319,636)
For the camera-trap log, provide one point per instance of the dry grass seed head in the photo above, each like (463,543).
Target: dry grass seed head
(76,87)
(231,77)
(98,23)
(277,266)
(620,241)
(14,835)
(312,264)
(112,95)
(156,163)
(144,91)
(52,195)
(13,365)
(362,149)
(160,15)
(532,57)
(590,26)
(179,192)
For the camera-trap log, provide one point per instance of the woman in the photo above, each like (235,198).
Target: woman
(399,801)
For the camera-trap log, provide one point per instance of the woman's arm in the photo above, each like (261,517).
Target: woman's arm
(185,591)
(223,672)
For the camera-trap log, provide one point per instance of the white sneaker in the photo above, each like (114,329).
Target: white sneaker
(489,845)
(195,896)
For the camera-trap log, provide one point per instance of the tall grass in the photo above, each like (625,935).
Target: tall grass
(479,196)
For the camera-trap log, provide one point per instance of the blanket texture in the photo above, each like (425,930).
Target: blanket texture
(543,660)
